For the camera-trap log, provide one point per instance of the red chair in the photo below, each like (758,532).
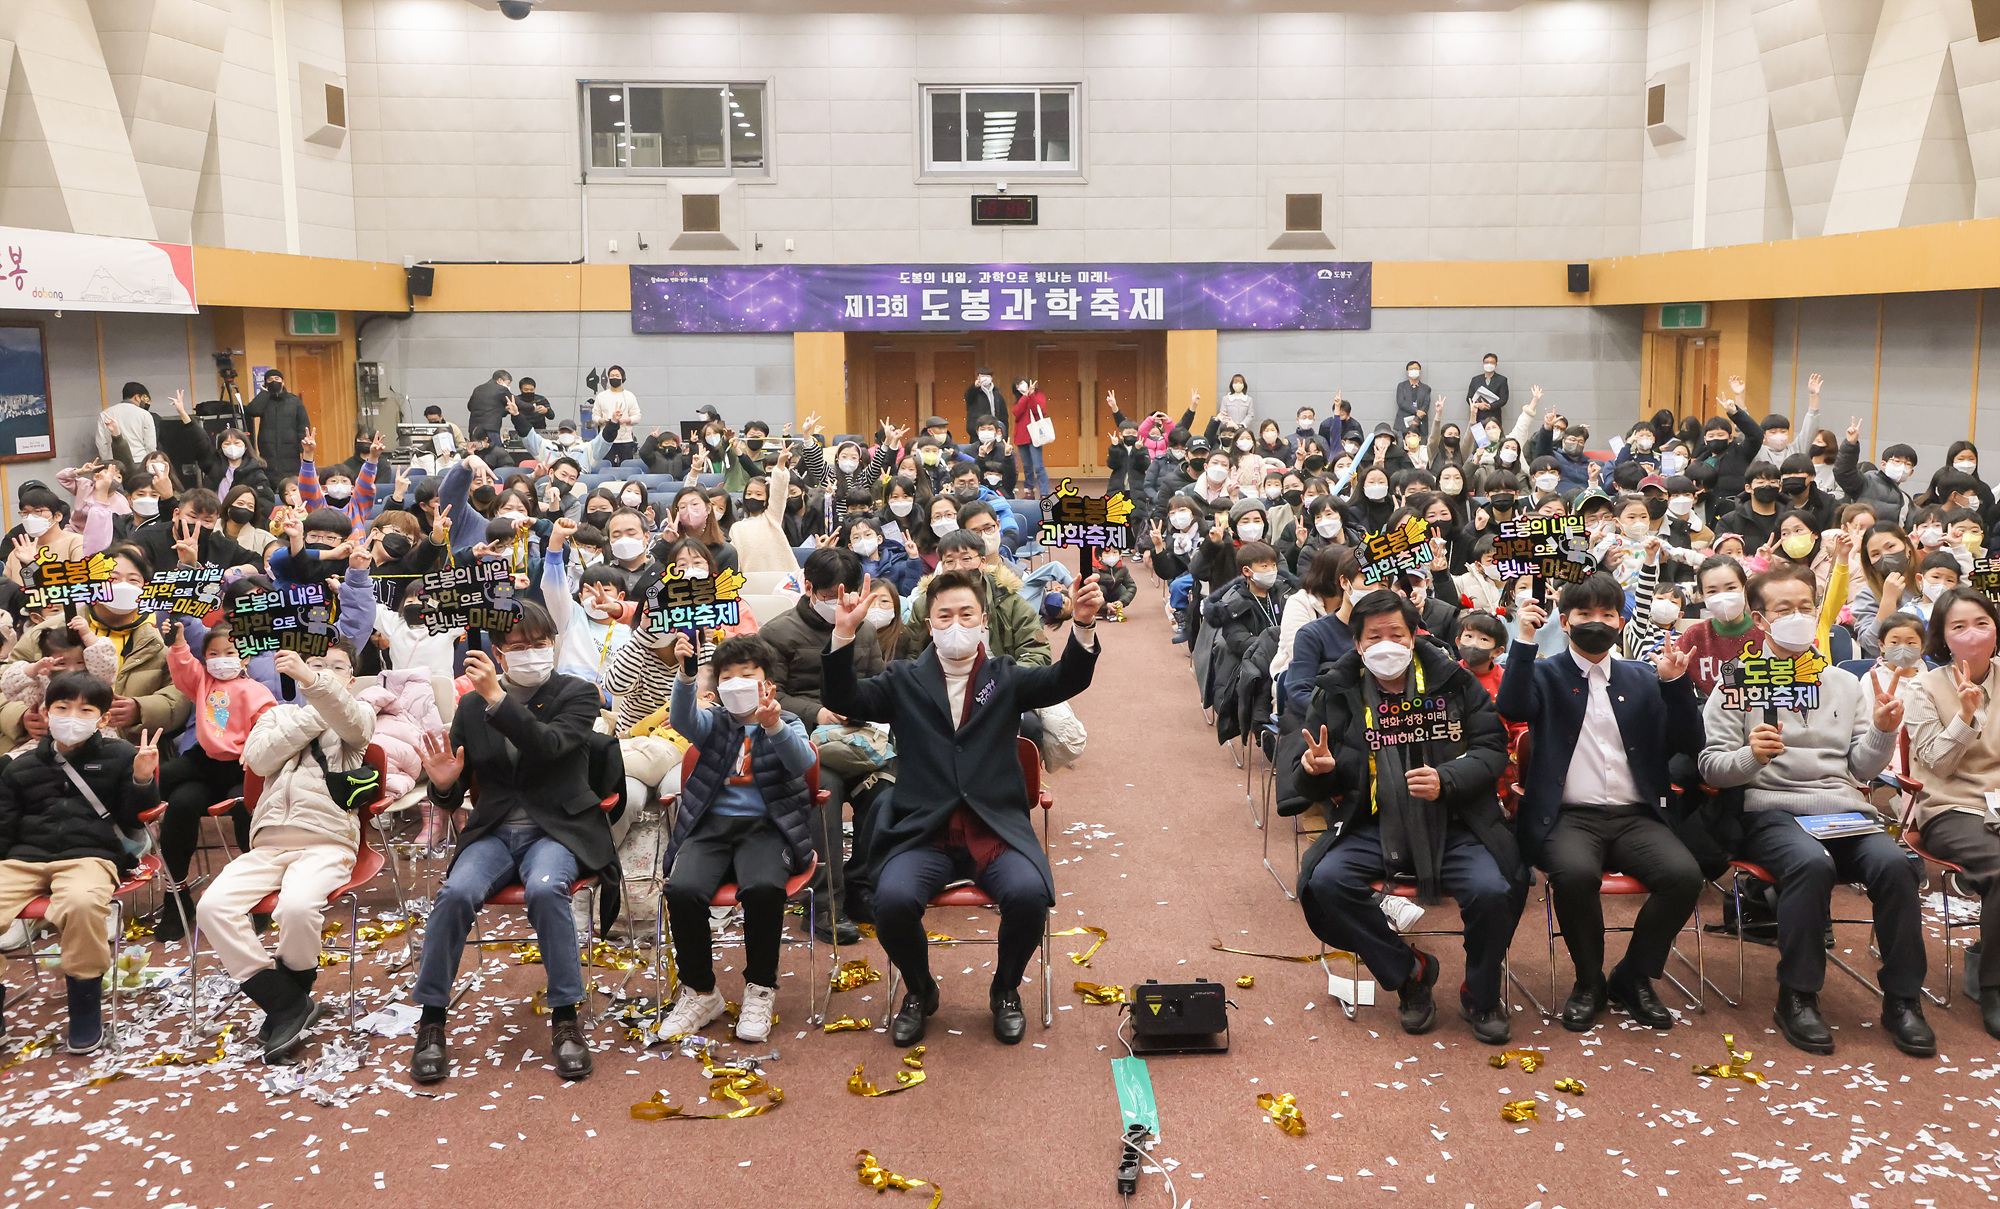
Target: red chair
(972,896)
(367,863)
(1739,870)
(725,896)
(1909,787)
(1615,885)
(148,869)
(1407,888)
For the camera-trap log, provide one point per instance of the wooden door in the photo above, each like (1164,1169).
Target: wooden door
(951,373)
(1058,376)
(1118,373)
(896,388)
(1700,380)
(312,372)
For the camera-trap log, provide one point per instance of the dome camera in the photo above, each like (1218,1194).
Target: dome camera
(516,10)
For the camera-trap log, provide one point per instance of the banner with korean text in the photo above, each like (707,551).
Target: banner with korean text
(1229,296)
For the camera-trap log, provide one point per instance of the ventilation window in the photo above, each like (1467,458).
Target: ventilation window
(1656,105)
(701,212)
(1302,212)
(336,106)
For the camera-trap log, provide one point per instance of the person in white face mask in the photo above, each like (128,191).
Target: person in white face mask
(960,808)
(302,840)
(41,523)
(527,735)
(746,815)
(1419,806)
(209,769)
(591,627)
(1602,732)
(1792,765)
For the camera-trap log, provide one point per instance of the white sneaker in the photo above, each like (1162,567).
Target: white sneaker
(1403,913)
(19,935)
(692,1012)
(753,1023)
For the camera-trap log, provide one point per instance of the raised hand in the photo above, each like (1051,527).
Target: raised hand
(146,761)
(1843,545)
(1893,587)
(1529,617)
(1889,708)
(851,611)
(442,764)
(1767,741)
(1671,663)
(375,448)
(1854,430)
(561,532)
(441,528)
(187,541)
(768,714)
(293,664)
(679,651)
(308,445)
(1317,759)
(180,404)
(1970,695)
(1813,384)
(111,426)
(484,676)
(1737,385)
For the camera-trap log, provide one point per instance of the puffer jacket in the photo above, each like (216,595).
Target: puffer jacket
(1012,625)
(405,707)
(295,792)
(142,676)
(44,818)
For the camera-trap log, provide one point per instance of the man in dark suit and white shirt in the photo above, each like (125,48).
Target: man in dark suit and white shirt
(1489,378)
(983,398)
(487,408)
(960,806)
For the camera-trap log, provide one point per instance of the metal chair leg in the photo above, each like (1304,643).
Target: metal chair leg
(1944,882)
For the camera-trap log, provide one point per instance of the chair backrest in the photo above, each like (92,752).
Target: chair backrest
(705,481)
(253,785)
(767,609)
(1031,769)
(446,692)
(764,583)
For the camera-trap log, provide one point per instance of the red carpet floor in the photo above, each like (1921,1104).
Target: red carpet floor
(1155,844)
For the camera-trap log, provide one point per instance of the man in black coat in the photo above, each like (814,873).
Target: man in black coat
(195,514)
(1489,378)
(278,423)
(960,805)
(984,398)
(521,744)
(1413,402)
(1601,732)
(534,405)
(487,408)
(1419,803)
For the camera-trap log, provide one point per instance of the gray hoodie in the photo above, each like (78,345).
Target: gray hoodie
(1830,753)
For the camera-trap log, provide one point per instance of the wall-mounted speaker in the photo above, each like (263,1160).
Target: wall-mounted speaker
(422,276)
(1579,279)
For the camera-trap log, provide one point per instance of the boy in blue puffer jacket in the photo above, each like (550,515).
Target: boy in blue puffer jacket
(744,810)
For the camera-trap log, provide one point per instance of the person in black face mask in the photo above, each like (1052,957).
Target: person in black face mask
(1601,733)
(1756,518)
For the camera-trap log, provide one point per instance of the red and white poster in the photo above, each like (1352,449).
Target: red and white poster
(57,271)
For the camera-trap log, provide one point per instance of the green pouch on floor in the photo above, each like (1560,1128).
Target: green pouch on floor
(1135,1093)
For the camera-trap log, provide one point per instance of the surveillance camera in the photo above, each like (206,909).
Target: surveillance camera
(1000,186)
(516,10)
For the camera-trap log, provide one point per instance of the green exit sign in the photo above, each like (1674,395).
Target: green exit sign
(324,323)
(1684,315)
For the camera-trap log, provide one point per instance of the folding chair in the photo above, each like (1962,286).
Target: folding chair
(367,863)
(1739,870)
(1399,887)
(1914,841)
(725,896)
(144,873)
(1619,885)
(969,895)
(171,889)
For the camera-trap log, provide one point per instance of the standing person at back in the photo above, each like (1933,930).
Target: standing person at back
(1489,379)
(133,416)
(615,404)
(278,423)
(487,408)
(982,398)
(1413,401)
(1030,405)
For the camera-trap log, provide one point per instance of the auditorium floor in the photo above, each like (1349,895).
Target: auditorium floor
(1154,844)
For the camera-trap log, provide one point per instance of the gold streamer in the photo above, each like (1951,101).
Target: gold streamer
(30,1050)
(1284,1110)
(607,956)
(737,1083)
(847,1024)
(1531,1059)
(850,974)
(905,1079)
(873,1175)
(138,929)
(1516,1111)
(1573,1086)
(1736,1068)
(868,930)
(1309,958)
(1083,958)
(1247,981)
(1092,993)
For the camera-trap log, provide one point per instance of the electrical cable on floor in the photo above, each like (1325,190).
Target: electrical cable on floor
(1125,1140)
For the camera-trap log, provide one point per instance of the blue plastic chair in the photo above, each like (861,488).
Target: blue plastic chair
(705,481)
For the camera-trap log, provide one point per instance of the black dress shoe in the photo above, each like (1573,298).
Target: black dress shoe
(1010,1023)
(1489,1024)
(839,931)
(572,1052)
(1904,1018)
(1636,995)
(1798,1018)
(1989,1009)
(1586,1001)
(176,915)
(430,1060)
(908,1027)
(1416,1008)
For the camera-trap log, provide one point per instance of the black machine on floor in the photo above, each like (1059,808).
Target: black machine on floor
(1180,1018)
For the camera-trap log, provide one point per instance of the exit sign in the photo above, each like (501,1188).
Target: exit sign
(314,323)
(1684,315)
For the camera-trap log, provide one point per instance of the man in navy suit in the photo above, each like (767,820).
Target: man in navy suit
(1601,732)
(960,808)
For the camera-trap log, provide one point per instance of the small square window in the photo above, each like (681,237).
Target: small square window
(1656,105)
(701,212)
(1302,212)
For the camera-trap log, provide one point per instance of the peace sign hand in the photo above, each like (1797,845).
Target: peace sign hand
(308,445)
(1854,430)
(1970,694)
(1317,759)
(1671,662)
(1889,708)
(146,762)
(768,714)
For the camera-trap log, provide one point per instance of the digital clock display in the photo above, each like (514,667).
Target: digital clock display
(1004,210)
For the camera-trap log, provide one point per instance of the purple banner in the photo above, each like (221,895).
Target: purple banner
(1231,296)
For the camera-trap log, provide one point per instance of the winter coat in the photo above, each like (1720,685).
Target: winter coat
(142,676)
(1865,484)
(893,563)
(405,707)
(1012,626)
(1238,621)
(799,636)
(295,793)
(44,818)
